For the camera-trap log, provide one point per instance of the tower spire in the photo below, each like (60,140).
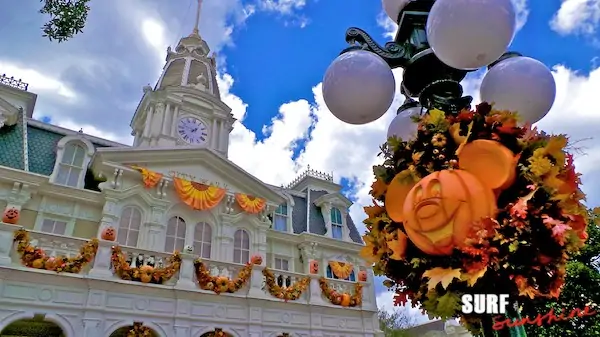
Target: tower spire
(197,22)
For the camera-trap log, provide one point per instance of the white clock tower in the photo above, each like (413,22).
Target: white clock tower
(184,108)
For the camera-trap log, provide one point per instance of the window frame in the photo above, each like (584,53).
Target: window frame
(203,242)
(129,230)
(61,148)
(283,215)
(282,259)
(241,248)
(333,215)
(176,238)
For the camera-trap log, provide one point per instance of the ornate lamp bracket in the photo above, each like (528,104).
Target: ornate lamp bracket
(395,54)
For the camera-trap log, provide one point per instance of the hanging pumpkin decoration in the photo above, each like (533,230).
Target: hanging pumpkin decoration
(222,284)
(109,234)
(362,276)
(345,300)
(313,267)
(256,259)
(441,208)
(11,215)
(146,273)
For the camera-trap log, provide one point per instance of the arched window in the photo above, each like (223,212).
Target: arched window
(241,246)
(337,227)
(280,218)
(129,226)
(202,240)
(70,167)
(175,234)
(330,274)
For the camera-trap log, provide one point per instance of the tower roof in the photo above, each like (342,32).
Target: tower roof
(190,64)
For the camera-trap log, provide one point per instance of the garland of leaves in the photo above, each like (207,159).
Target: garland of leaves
(343,299)
(217,333)
(35,257)
(144,274)
(139,330)
(291,293)
(223,284)
(522,250)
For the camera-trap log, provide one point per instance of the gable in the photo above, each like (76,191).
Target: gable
(198,164)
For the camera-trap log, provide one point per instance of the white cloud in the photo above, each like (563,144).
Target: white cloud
(281,6)
(385,301)
(39,82)
(577,17)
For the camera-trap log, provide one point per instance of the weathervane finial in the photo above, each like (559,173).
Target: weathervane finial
(197,23)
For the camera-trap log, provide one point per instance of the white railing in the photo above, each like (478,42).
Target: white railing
(100,268)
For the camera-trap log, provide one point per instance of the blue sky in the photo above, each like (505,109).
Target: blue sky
(272,56)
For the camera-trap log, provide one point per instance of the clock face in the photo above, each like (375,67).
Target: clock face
(192,130)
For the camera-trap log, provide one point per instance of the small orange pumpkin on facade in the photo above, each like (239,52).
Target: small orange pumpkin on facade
(441,208)
(313,267)
(362,276)
(109,234)
(11,215)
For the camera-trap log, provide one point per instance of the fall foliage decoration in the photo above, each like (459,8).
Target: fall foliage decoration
(250,204)
(342,299)
(290,293)
(217,333)
(11,215)
(109,234)
(476,203)
(149,178)
(341,270)
(198,196)
(145,273)
(223,284)
(139,330)
(35,257)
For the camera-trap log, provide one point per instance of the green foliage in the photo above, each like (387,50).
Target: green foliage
(92,181)
(67,18)
(395,323)
(582,287)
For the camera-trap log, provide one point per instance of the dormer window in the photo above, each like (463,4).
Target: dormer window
(280,218)
(73,154)
(337,226)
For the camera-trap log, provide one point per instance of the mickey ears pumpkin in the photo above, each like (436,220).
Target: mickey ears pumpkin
(491,162)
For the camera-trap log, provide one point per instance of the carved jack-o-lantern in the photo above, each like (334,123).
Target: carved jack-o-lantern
(362,276)
(314,266)
(439,211)
(108,234)
(11,216)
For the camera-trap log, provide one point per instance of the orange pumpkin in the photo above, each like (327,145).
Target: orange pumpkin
(146,274)
(222,283)
(314,266)
(11,215)
(256,259)
(362,276)
(346,298)
(108,234)
(440,209)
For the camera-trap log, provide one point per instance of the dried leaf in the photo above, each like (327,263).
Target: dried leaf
(443,276)
(473,276)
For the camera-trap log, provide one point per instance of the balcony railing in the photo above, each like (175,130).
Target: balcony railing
(101,268)
(13,82)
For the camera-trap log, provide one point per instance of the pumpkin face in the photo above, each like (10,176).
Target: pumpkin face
(256,259)
(108,234)
(362,276)
(441,208)
(11,216)
(314,266)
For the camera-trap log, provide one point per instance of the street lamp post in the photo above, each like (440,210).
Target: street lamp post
(437,44)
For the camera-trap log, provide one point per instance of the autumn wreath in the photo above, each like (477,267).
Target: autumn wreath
(144,274)
(291,293)
(476,203)
(35,257)
(224,284)
(343,299)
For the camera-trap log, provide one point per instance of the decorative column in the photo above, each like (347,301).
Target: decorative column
(18,197)
(186,278)
(101,267)
(326,212)
(6,243)
(309,252)
(225,239)
(110,213)
(154,228)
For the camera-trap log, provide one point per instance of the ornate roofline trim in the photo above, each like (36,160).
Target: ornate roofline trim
(335,199)
(68,132)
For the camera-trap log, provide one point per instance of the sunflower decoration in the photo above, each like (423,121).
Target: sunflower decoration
(476,203)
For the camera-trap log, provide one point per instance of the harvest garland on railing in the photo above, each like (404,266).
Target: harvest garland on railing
(291,293)
(343,299)
(144,274)
(35,257)
(224,284)
(139,330)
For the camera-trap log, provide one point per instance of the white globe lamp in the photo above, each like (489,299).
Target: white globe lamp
(403,126)
(470,34)
(358,87)
(520,84)
(393,8)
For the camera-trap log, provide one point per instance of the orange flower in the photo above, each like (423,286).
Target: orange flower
(378,188)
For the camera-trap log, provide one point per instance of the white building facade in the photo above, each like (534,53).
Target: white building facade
(173,190)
